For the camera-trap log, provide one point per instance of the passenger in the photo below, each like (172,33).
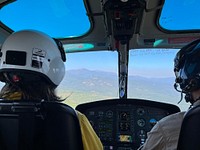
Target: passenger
(32,66)
(164,135)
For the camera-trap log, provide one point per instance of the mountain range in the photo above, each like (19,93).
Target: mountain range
(84,85)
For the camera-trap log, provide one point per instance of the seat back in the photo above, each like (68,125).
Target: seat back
(190,130)
(34,126)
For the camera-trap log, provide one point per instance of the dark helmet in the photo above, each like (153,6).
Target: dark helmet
(187,67)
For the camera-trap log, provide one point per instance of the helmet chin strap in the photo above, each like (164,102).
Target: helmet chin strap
(181,98)
(176,88)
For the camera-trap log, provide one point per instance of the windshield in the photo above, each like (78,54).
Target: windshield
(151,76)
(92,76)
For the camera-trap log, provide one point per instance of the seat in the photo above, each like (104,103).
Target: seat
(190,130)
(35,126)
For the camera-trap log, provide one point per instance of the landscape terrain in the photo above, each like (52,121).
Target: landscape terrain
(82,85)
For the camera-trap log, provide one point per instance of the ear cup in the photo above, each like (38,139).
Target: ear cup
(61,48)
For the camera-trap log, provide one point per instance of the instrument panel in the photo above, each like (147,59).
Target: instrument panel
(123,124)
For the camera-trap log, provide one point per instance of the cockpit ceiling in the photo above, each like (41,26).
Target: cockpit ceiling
(132,21)
(114,21)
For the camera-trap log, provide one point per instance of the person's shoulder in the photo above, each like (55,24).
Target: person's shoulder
(81,116)
(79,113)
(173,117)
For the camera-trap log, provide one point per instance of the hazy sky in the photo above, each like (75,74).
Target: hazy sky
(148,63)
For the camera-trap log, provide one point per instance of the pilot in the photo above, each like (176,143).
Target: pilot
(32,66)
(164,135)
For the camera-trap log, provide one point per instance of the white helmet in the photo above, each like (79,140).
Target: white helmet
(34,52)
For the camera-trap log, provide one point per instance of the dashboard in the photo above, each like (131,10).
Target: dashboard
(123,124)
